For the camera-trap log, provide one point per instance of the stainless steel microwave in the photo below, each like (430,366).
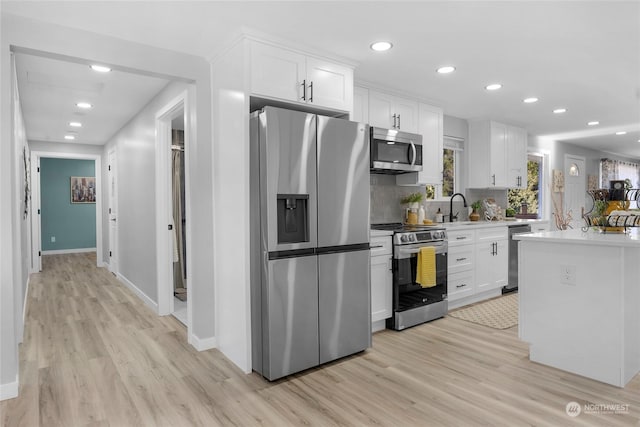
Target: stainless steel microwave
(394,152)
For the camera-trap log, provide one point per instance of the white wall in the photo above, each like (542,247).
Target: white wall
(22,210)
(231,195)
(30,34)
(136,144)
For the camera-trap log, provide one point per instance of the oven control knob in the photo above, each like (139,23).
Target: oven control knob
(412,238)
(404,238)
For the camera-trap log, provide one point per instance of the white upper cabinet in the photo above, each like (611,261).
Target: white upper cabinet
(516,157)
(360,105)
(497,155)
(430,126)
(291,76)
(393,112)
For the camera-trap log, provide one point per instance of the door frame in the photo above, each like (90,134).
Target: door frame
(164,243)
(577,216)
(36,224)
(113,245)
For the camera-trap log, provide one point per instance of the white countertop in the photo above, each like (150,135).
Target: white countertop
(591,237)
(488,224)
(468,225)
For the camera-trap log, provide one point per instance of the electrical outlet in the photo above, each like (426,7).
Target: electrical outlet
(53,239)
(568,274)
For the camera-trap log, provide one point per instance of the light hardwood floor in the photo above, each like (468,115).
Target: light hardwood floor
(95,355)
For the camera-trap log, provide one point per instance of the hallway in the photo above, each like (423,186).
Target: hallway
(95,355)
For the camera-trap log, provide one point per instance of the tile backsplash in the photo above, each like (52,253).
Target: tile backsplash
(386,195)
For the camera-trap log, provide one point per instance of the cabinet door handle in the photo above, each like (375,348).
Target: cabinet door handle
(376,246)
(304,90)
(460,259)
(494,178)
(311,96)
(394,121)
(398,121)
(461,286)
(461,238)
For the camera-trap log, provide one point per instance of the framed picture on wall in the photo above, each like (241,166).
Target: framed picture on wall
(83,189)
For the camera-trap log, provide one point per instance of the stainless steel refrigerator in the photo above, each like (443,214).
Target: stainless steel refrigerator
(310,265)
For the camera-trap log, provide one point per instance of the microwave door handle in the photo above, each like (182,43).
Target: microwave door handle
(413,153)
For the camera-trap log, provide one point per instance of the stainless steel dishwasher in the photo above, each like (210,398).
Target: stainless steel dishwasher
(512,283)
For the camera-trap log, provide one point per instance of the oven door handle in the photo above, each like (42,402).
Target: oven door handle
(415,250)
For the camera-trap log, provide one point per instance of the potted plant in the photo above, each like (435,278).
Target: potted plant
(475,212)
(412,200)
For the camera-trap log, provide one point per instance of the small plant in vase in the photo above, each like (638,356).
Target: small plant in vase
(475,211)
(413,200)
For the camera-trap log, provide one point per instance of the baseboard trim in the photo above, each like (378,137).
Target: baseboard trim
(68,251)
(202,344)
(9,390)
(148,301)
(379,325)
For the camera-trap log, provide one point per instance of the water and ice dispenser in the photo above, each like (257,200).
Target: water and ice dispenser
(293,218)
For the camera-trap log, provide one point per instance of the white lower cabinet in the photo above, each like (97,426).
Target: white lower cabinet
(492,266)
(477,264)
(381,281)
(538,227)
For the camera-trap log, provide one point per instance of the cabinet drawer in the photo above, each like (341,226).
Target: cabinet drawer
(460,237)
(460,285)
(540,227)
(381,245)
(493,233)
(461,258)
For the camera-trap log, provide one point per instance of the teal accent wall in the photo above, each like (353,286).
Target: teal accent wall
(72,224)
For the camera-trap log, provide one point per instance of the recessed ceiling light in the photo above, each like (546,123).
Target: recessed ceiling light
(100,68)
(75,124)
(593,123)
(69,137)
(621,133)
(446,69)
(493,86)
(530,100)
(381,46)
(84,105)
(560,110)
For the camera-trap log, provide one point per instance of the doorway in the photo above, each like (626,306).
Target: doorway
(173,210)
(112,190)
(36,205)
(575,191)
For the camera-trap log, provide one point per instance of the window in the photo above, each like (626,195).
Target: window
(617,170)
(532,195)
(451,163)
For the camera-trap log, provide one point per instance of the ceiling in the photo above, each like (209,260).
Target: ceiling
(583,56)
(49,90)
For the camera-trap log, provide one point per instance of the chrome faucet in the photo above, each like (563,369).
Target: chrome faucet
(451,216)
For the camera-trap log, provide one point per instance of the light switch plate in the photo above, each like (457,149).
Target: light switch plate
(568,274)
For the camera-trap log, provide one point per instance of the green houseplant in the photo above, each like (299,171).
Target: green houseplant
(475,212)
(411,198)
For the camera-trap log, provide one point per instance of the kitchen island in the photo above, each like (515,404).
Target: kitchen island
(580,302)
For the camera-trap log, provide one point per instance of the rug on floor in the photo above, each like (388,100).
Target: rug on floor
(498,313)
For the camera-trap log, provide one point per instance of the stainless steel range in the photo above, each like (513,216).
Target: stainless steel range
(412,303)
